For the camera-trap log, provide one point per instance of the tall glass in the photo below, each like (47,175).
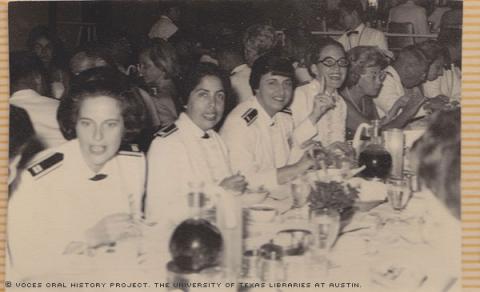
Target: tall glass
(394,143)
(326,225)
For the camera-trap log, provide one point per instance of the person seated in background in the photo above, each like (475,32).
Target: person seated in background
(159,69)
(436,56)
(453,19)
(258,40)
(92,55)
(357,33)
(230,58)
(297,45)
(436,16)
(48,47)
(318,111)
(450,83)
(365,79)
(409,11)
(28,87)
(259,131)
(75,201)
(400,88)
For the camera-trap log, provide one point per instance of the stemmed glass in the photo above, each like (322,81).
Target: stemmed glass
(326,224)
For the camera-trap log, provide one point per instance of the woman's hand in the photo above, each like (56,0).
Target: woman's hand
(111,229)
(322,103)
(234,183)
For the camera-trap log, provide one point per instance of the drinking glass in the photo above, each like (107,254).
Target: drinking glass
(399,192)
(300,191)
(326,225)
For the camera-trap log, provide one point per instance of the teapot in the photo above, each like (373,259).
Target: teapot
(372,130)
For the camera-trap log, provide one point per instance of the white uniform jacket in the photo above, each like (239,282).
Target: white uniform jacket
(331,126)
(259,144)
(59,198)
(178,159)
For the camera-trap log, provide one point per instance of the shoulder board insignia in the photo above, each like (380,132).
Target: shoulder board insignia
(130,149)
(47,164)
(250,116)
(166,131)
(287,111)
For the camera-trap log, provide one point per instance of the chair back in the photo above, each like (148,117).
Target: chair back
(396,43)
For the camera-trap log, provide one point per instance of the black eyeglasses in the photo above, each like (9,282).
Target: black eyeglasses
(330,62)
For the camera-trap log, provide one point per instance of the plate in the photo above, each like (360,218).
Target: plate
(365,206)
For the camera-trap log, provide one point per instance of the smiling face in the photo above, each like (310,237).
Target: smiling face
(274,92)
(150,73)
(334,75)
(100,129)
(206,102)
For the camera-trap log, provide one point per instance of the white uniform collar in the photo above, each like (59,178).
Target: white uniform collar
(185,122)
(263,115)
(74,156)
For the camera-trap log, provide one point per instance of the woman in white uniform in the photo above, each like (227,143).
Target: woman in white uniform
(189,152)
(77,203)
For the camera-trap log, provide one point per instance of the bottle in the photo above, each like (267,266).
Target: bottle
(375,157)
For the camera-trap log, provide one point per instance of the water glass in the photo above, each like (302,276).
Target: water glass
(300,191)
(399,193)
(326,225)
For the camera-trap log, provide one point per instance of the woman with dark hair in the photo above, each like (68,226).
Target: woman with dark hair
(317,107)
(189,155)
(159,69)
(49,49)
(190,151)
(77,200)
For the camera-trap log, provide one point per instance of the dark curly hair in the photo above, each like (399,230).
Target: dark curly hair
(361,58)
(198,72)
(103,81)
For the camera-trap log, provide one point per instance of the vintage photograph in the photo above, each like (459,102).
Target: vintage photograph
(234,145)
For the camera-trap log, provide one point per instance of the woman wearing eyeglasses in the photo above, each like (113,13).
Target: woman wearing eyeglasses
(364,81)
(317,108)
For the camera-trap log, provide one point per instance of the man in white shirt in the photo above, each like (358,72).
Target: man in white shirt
(28,87)
(259,131)
(408,11)
(358,34)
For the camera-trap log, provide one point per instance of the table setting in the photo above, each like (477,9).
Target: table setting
(338,225)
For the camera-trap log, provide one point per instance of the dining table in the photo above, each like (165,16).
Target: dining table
(377,248)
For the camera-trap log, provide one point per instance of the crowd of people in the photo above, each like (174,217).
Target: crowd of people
(116,135)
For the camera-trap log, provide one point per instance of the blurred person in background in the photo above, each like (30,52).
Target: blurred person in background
(357,33)
(28,87)
(49,48)
(409,11)
(159,69)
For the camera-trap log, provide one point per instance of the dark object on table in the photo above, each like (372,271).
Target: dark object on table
(196,244)
(335,195)
(377,161)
